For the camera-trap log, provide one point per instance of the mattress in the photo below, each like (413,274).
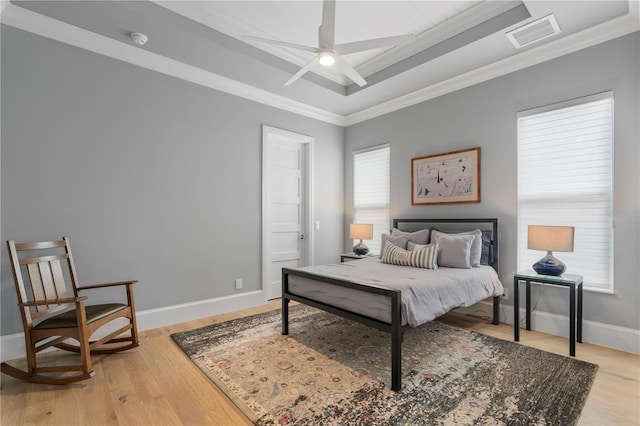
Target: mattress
(426,293)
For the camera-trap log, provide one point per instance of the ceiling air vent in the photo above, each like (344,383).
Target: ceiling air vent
(534,31)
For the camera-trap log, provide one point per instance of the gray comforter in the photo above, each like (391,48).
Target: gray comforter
(426,293)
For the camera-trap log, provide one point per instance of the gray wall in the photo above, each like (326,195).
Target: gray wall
(151,177)
(485,115)
(158,179)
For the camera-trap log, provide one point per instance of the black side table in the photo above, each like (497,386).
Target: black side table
(348,257)
(574,282)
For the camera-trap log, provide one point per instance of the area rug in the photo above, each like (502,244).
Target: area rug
(333,371)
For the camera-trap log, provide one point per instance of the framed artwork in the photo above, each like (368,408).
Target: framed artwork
(452,177)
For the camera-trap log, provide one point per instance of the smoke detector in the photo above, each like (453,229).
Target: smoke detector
(534,31)
(139,38)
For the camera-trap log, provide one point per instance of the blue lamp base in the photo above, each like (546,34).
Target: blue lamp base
(360,249)
(549,265)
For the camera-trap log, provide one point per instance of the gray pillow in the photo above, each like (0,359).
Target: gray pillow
(418,237)
(476,244)
(400,241)
(486,243)
(454,250)
(411,245)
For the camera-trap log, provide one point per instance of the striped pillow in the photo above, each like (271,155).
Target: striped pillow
(420,257)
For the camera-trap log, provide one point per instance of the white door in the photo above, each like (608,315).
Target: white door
(286,205)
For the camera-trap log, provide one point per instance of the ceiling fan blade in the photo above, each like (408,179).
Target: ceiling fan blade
(280,43)
(350,72)
(302,71)
(327,30)
(376,43)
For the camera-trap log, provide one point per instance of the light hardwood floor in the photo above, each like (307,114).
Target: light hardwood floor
(156,384)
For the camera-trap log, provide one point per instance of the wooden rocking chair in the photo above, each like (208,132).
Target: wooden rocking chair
(50,316)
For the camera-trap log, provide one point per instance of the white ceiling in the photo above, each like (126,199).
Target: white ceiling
(458,43)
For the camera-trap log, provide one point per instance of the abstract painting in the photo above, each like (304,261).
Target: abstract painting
(452,177)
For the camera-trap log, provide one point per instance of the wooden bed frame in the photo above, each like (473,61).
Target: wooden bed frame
(395,328)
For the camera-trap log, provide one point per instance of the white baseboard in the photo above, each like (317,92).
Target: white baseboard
(12,346)
(169,315)
(612,336)
(615,337)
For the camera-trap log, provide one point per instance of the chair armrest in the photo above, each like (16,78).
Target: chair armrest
(53,301)
(119,283)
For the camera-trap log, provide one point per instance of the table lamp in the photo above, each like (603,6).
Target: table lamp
(361,231)
(550,239)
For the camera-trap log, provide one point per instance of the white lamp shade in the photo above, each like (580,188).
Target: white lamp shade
(550,238)
(361,231)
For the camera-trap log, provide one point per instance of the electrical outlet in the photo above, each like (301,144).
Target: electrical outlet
(238,283)
(505,294)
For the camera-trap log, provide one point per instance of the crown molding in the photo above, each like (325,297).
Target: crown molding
(606,31)
(54,29)
(456,25)
(44,26)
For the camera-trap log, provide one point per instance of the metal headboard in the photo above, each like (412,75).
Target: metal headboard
(456,225)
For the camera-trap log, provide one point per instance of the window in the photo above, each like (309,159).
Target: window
(565,177)
(371,191)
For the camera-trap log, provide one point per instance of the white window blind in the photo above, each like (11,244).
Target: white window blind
(565,177)
(371,191)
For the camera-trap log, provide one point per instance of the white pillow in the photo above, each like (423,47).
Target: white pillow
(421,257)
(476,244)
(455,250)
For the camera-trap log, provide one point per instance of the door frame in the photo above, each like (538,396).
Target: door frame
(268,133)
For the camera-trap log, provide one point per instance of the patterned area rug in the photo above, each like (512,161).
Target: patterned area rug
(330,370)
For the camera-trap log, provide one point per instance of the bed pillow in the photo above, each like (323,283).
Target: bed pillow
(455,250)
(423,256)
(411,245)
(486,244)
(418,237)
(476,244)
(400,241)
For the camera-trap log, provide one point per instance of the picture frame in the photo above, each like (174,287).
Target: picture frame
(448,178)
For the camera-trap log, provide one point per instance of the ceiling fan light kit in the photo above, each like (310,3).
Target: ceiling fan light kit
(328,53)
(326,58)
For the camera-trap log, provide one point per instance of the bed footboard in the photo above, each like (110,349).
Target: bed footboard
(395,328)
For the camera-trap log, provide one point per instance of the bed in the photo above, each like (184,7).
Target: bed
(392,297)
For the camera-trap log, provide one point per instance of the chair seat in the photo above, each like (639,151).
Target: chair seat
(68,319)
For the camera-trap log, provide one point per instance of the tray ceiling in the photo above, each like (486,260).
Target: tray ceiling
(458,43)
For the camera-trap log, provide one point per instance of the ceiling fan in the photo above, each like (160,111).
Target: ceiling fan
(328,53)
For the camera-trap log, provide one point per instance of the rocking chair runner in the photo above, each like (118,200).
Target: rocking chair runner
(50,316)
